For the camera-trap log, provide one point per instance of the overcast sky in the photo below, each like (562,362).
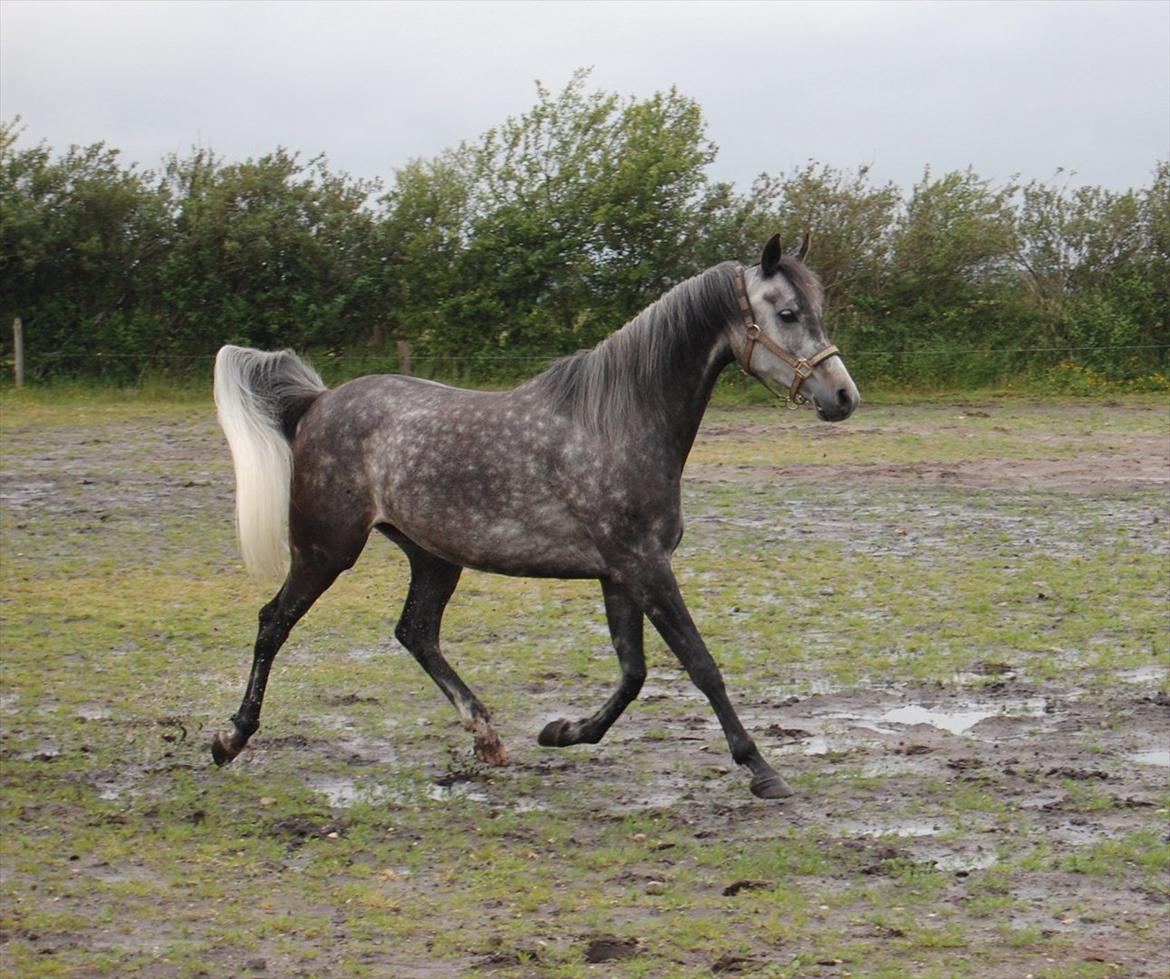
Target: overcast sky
(1005,87)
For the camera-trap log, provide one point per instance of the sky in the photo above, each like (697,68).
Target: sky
(1007,88)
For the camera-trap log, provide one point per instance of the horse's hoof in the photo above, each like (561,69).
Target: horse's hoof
(223,749)
(770,786)
(555,734)
(491,751)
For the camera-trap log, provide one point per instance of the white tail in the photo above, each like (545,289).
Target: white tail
(259,397)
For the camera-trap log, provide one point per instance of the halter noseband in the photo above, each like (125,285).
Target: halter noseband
(801,368)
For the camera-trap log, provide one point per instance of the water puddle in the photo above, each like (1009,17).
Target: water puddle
(836,734)
(954,721)
(345,793)
(456,790)
(1145,674)
(960,719)
(965,862)
(1159,757)
(902,829)
(818,744)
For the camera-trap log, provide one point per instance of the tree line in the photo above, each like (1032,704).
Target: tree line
(550,231)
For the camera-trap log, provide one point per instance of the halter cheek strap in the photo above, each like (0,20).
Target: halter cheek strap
(802,368)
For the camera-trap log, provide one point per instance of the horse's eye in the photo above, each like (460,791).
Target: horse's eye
(788,315)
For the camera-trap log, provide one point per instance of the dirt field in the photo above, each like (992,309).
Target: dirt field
(946,623)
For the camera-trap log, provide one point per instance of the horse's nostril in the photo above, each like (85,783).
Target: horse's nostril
(847,400)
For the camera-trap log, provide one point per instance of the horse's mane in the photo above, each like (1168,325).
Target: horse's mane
(623,376)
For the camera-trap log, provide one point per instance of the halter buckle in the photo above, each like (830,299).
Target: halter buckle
(802,369)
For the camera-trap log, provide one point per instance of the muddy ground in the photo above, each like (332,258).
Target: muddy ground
(995,819)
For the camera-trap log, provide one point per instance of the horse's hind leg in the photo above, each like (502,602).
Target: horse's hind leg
(432,582)
(314,569)
(625,628)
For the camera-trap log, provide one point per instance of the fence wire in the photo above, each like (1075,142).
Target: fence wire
(983,364)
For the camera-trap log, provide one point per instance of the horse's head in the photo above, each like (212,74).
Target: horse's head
(781,340)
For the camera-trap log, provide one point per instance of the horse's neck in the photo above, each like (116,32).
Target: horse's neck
(683,429)
(682,397)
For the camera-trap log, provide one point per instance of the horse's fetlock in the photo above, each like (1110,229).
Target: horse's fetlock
(246,727)
(748,754)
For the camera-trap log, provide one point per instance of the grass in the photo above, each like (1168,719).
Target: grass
(126,624)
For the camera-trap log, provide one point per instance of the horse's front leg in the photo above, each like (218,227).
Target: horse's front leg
(625,628)
(660,598)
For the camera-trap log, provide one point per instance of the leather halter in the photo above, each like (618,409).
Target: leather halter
(801,368)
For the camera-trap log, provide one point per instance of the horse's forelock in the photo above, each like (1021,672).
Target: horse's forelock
(808,287)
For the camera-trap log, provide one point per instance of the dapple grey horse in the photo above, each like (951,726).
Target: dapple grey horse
(574,474)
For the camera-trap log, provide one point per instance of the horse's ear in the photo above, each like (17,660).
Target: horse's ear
(804,244)
(770,260)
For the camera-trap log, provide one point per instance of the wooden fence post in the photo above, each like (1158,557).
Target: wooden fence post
(403,356)
(18,351)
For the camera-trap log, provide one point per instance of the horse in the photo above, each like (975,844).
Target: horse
(576,473)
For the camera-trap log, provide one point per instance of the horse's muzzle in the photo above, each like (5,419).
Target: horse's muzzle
(844,403)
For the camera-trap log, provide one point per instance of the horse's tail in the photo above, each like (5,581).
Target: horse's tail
(259,398)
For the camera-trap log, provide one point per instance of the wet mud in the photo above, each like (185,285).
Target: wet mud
(877,767)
